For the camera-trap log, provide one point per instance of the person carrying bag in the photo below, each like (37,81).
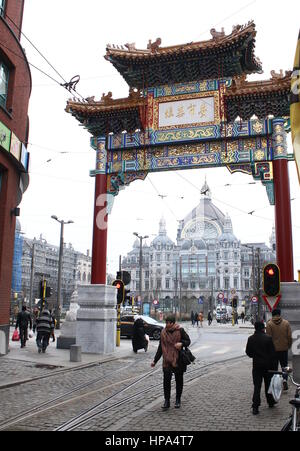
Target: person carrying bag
(173,340)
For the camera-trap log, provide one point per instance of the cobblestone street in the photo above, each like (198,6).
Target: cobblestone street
(217,399)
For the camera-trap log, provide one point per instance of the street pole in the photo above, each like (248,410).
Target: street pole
(31,277)
(176,288)
(180,285)
(60,262)
(258,286)
(141,238)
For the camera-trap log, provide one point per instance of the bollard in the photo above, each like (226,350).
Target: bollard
(75,353)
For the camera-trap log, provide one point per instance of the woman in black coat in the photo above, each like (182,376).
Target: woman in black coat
(138,338)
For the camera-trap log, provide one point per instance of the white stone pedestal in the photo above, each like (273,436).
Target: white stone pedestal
(96,319)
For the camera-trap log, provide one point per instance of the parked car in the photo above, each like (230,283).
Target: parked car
(152,327)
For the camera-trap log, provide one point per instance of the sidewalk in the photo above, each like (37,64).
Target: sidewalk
(33,363)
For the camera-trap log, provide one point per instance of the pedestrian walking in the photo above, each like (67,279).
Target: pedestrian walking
(200,318)
(43,327)
(261,349)
(243,317)
(173,338)
(192,318)
(139,340)
(23,321)
(280,331)
(209,318)
(196,319)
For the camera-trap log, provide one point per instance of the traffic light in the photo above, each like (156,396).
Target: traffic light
(271,279)
(234,302)
(127,297)
(48,292)
(119,284)
(125,276)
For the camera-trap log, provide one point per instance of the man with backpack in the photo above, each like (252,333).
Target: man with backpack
(23,320)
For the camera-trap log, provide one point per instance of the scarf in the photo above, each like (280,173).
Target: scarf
(168,340)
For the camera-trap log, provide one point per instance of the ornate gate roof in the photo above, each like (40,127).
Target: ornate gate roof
(222,56)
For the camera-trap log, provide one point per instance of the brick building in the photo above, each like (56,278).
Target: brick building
(15,88)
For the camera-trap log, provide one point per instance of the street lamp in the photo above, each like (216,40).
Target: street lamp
(61,250)
(141,238)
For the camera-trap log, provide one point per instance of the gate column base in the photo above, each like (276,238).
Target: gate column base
(96,319)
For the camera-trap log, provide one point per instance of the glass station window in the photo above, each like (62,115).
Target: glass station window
(2,7)
(4,75)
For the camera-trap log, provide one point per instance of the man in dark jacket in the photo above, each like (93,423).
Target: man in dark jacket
(139,340)
(260,348)
(23,320)
(44,325)
(173,338)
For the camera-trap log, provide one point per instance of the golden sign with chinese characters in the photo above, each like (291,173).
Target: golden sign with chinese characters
(186,111)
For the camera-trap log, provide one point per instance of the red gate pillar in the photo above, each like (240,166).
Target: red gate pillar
(283,217)
(99,249)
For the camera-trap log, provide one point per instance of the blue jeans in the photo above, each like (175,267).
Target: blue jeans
(42,340)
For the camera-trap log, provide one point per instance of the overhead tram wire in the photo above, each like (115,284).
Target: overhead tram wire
(70,86)
(162,197)
(224,203)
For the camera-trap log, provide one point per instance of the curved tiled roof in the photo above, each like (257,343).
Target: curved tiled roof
(229,55)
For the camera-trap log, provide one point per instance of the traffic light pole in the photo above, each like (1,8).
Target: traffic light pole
(118,341)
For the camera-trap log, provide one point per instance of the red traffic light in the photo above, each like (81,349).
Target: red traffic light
(271,280)
(119,284)
(271,272)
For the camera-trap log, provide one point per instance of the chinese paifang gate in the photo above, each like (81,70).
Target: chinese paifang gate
(191,106)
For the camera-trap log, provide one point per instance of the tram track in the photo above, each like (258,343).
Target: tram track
(92,413)
(56,401)
(101,407)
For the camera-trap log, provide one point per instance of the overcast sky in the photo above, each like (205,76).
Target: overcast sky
(73,35)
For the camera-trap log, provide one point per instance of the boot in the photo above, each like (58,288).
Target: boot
(166,404)
(177,403)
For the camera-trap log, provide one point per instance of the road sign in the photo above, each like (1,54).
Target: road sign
(221,296)
(271,302)
(200,300)
(254,299)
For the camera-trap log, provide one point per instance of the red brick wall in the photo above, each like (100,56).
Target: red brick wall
(14,11)
(19,88)
(14,116)
(8,194)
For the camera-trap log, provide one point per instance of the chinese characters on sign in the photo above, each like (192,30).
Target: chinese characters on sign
(186,112)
